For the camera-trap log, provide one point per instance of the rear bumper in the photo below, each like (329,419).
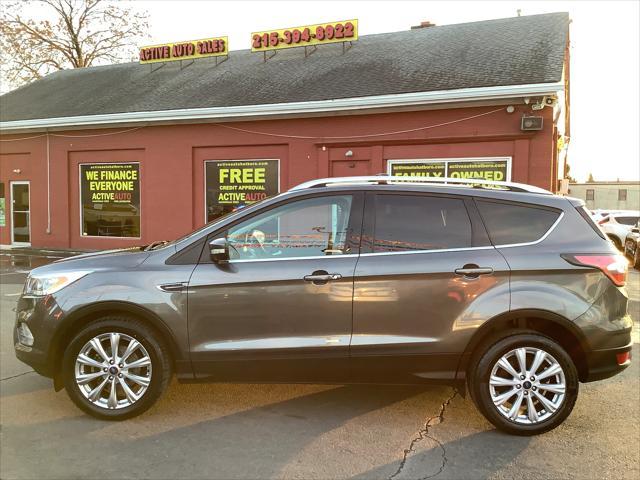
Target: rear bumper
(603,363)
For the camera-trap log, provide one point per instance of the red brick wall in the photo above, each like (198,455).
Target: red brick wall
(172,161)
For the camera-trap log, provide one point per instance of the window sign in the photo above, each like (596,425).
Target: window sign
(417,169)
(110,199)
(494,169)
(234,184)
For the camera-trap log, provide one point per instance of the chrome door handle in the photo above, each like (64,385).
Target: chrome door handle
(325,277)
(173,287)
(473,272)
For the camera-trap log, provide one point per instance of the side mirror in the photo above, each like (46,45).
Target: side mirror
(219,250)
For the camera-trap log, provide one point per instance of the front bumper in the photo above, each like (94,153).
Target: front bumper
(39,315)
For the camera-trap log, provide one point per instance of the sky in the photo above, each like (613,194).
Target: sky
(605,54)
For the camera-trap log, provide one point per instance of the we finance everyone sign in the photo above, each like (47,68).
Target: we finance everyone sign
(110,198)
(495,169)
(234,184)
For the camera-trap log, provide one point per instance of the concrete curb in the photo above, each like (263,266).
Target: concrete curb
(39,252)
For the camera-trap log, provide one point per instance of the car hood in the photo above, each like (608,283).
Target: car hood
(124,258)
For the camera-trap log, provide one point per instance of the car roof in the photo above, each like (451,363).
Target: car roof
(548,199)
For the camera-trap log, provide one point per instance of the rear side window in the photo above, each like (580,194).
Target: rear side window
(509,223)
(418,222)
(627,220)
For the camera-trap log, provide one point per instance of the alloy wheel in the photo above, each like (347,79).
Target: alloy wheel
(113,370)
(527,385)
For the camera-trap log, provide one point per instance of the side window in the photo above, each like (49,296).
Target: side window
(627,220)
(510,223)
(310,227)
(420,222)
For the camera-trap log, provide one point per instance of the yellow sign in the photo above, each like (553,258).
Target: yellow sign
(170,52)
(306,36)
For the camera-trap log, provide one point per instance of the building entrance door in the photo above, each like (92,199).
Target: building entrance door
(20,214)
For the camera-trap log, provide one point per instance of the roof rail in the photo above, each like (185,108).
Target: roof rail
(390,180)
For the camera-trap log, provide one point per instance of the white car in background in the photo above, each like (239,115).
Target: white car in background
(618,224)
(599,213)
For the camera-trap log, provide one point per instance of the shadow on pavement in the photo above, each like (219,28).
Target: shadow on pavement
(254,443)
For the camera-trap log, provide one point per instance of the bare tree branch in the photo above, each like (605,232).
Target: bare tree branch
(76,34)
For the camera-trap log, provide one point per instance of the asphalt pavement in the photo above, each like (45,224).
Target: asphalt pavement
(232,431)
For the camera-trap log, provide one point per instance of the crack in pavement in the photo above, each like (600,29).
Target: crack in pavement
(424,433)
(16,376)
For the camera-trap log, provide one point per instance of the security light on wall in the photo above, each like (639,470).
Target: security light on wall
(531,123)
(348,154)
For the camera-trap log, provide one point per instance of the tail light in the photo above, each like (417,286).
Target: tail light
(603,221)
(623,358)
(613,266)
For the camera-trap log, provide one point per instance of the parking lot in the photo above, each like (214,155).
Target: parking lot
(303,431)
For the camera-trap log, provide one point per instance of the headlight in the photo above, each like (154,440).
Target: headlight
(48,283)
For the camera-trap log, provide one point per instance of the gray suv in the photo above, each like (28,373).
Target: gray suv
(499,289)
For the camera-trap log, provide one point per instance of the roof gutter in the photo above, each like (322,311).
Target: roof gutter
(249,112)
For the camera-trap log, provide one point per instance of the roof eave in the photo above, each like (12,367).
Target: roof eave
(250,112)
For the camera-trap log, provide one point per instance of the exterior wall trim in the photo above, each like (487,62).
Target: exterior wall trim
(247,112)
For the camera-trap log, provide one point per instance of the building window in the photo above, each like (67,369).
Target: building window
(622,195)
(3,221)
(234,184)
(590,194)
(110,200)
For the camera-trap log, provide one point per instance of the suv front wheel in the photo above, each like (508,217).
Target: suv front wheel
(525,384)
(116,368)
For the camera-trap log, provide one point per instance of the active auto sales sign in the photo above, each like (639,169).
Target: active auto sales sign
(169,52)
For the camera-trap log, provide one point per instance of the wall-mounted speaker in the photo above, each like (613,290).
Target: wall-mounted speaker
(531,123)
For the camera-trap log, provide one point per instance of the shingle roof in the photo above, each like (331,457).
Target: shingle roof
(510,51)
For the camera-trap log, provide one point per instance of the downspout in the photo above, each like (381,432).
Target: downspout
(48,231)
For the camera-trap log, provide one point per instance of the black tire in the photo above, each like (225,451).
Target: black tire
(480,391)
(636,258)
(158,353)
(616,242)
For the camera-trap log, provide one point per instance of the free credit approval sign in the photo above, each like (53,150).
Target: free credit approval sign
(237,183)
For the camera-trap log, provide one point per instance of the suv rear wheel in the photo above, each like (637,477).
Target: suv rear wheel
(116,368)
(525,384)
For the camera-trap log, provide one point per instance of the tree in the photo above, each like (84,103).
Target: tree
(73,34)
(590,179)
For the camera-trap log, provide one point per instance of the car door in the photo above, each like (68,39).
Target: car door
(427,277)
(281,309)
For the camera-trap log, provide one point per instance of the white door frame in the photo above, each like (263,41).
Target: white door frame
(11,184)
